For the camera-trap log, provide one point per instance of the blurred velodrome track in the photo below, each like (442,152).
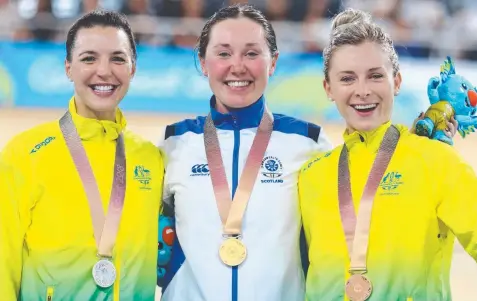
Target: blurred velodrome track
(464,269)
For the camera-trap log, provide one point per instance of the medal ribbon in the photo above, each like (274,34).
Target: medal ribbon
(105,229)
(357,229)
(231,212)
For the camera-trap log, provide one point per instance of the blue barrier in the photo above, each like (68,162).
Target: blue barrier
(167,80)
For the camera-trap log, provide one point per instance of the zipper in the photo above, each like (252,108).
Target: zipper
(49,293)
(235,179)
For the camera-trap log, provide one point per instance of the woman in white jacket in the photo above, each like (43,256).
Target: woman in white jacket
(250,250)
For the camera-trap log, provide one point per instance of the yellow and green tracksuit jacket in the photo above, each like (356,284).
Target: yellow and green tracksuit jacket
(427,196)
(47,246)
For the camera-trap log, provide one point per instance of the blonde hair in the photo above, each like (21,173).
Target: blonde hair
(353,27)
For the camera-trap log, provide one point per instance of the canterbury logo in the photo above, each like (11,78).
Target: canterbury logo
(200,170)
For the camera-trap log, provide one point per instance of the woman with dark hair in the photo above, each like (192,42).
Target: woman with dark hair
(81,196)
(248,248)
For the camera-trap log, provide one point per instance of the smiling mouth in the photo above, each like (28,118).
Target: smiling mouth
(238,83)
(103,88)
(365,108)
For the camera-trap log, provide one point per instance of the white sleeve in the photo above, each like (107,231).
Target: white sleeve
(160,140)
(167,198)
(167,195)
(323,144)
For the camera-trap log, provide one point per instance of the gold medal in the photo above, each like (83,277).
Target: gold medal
(358,288)
(232,252)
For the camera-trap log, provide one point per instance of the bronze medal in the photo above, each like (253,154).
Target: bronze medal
(358,288)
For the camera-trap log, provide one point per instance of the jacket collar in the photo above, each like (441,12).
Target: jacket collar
(248,117)
(369,139)
(94,129)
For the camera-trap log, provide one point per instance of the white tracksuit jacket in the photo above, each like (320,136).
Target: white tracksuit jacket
(271,229)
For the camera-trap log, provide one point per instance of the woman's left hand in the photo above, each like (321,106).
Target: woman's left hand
(451,129)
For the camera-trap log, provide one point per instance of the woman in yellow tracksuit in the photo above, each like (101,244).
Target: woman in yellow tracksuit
(376,229)
(60,236)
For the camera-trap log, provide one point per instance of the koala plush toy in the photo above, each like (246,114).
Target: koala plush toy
(450,95)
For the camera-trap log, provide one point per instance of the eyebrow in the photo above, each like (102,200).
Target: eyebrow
(94,52)
(370,70)
(225,45)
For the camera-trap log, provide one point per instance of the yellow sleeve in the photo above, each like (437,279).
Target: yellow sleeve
(12,188)
(458,206)
(306,191)
(303,204)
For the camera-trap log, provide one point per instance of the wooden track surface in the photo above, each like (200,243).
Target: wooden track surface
(464,268)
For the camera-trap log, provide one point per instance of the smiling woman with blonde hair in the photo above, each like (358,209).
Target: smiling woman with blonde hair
(380,224)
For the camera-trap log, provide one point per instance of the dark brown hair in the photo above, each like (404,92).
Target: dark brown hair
(103,18)
(233,12)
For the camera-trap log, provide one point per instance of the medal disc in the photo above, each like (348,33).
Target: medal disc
(358,288)
(104,273)
(232,252)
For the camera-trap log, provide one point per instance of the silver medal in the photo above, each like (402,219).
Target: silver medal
(104,273)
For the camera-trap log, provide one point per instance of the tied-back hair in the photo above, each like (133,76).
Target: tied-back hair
(353,27)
